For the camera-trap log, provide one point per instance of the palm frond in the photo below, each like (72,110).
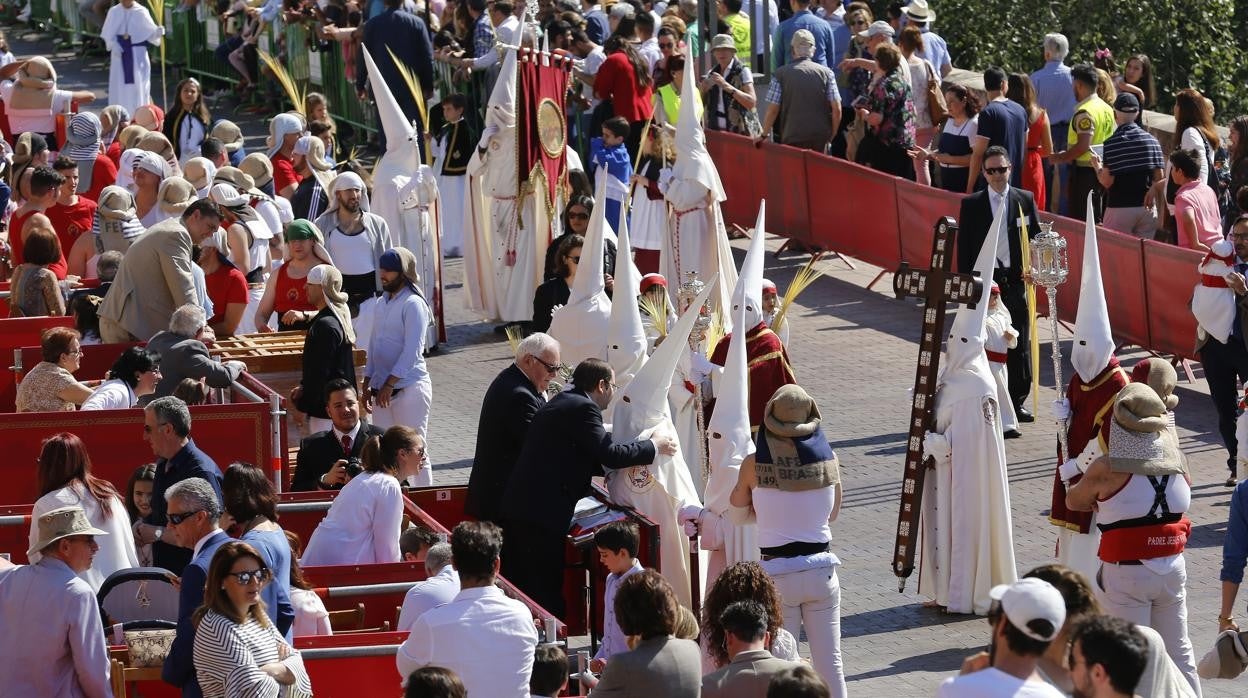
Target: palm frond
(656,311)
(414,87)
(514,334)
(804,278)
(716,332)
(293,92)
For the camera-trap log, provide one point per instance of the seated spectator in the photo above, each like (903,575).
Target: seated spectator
(415,543)
(231,135)
(184,355)
(73,214)
(192,391)
(60,650)
(227,285)
(557,290)
(799,681)
(133,375)
(50,386)
(139,504)
(113,229)
(660,666)
(362,526)
(250,502)
(743,581)
(323,456)
(65,479)
(237,650)
(35,291)
(434,682)
(550,671)
(1196,213)
(617,550)
(94,169)
(311,618)
(1108,656)
(481,622)
(440,586)
(85,310)
(752,666)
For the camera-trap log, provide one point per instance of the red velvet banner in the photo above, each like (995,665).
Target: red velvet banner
(542,129)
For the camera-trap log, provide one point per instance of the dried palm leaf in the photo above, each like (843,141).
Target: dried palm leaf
(515,333)
(294,93)
(804,278)
(716,332)
(657,312)
(414,87)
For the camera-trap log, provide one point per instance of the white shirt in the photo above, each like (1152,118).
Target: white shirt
(352,254)
(994,683)
(435,591)
(613,641)
(200,543)
(311,618)
(339,434)
(508,33)
(362,526)
(112,394)
(1003,241)
(116,551)
(483,636)
(589,66)
(650,53)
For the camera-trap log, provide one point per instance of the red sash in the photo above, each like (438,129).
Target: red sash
(996,357)
(1145,541)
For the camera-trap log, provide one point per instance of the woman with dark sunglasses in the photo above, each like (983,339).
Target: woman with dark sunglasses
(556,291)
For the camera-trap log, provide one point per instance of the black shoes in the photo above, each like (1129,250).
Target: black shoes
(1012,434)
(1024,415)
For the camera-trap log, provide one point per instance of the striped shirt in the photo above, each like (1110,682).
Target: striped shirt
(1131,156)
(228,657)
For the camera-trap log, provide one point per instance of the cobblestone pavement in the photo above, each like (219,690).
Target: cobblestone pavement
(854,349)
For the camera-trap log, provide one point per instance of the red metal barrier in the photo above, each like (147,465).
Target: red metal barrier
(738,162)
(1171,274)
(788,203)
(1122,275)
(15,531)
(16,333)
(346,666)
(853,210)
(918,209)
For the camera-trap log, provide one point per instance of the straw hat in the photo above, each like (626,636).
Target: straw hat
(228,133)
(258,167)
(175,196)
(62,523)
(791,411)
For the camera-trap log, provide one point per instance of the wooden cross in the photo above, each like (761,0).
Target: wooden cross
(938,286)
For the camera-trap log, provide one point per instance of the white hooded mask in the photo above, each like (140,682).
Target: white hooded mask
(693,161)
(1094,342)
(626,335)
(728,431)
(581,325)
(966,372)
(747,296)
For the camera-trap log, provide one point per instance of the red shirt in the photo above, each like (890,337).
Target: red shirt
(284,174)
(225,285)
(60,267)
(102,175)
(291,294)
(114,153)
(70,222)
(616,80)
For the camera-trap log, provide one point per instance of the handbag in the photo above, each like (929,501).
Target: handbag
(148,648)
(937,109)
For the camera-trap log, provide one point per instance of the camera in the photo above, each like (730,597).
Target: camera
(354,466)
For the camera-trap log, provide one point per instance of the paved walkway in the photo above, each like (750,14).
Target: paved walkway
(855,349)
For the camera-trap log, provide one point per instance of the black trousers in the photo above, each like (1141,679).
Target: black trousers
(1223,364)
(1018,360)
(1082,181)
(533,560)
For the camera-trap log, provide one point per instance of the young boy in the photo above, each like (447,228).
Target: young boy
(617,550)
(550,671)
(415,542)
(453,147)
(609,152)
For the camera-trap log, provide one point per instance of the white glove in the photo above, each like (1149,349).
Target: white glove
(699,366)
(1061,409)
(1069,470)
(936,445)
(160,30)
(489,131)
(688,517)
(239,365)
(666,175)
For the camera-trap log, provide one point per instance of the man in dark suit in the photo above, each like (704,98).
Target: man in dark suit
(167,427)
(509,405)
(183,353)
(322,460)
(973,223)
(193,509)
(752,666)
(566,445)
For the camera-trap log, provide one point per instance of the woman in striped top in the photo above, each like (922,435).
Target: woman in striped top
(238,652)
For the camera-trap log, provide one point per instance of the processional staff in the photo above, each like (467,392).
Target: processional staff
(1049,269)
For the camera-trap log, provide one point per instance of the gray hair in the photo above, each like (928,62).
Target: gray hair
(172,411)
(197,493)
(107,265)
(437,557)
(1057,45)
(535,344)
(188,320)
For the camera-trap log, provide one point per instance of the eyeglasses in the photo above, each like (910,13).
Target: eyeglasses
(76,352)
(578,215)
(576,259)
(177,519)
(996,170)
(550,368)
(246,577)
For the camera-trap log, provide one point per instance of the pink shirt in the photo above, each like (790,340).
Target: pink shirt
(1198,198)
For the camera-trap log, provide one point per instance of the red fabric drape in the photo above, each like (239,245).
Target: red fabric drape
(537,82)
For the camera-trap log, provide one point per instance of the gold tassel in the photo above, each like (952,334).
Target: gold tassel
(804,278)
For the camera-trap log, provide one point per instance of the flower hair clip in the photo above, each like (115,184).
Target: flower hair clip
(1103,53)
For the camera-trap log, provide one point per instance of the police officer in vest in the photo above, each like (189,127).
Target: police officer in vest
(1092,124)
(1141,492)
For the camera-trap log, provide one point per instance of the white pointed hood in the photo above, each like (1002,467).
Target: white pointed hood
(692,159)
(728,432)
(966,372)
(589,280)
(398,128)
(644,402)
(1094,342)
(501,110)
(747,296)
(626,335)
(581,326)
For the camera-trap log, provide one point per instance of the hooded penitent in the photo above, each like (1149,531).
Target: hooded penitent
(747,296)
(581,325)
(660,489)
(626,335)
(405,194)
(1094,343)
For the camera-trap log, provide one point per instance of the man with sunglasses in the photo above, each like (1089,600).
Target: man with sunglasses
(512,399)
(193,507)
(974,221)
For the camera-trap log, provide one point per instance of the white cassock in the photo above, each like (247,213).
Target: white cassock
(692,369)
(420,230)
(696,238)
(135,23)
(1001,338)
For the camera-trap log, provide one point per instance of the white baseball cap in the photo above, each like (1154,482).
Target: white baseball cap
(1031,599)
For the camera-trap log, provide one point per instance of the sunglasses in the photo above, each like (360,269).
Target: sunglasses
(550,368)
(246,577)
(177,519)
(996,170)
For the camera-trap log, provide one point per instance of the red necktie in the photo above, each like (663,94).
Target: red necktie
(346,444)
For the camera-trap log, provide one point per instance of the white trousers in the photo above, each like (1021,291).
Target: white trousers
(248,323)
(1138,595)
(410,408)
(812,598)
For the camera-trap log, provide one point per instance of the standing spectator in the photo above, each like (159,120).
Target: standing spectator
(1131,167)
(397,389)
(355,239)
(35,291)
(954,147)
(738,23)
(802,100)
(328,348)
(480,623)
(935,50)
(65,480)
(922,74)
(362,526)
(193,506)
(50,386)
(729,90)
(820,30)
(139,504)
(1196,214)
(59,650)
(440,586)
(406,36)
(647,43)
(1107,657)
(1039,137)
(167,427)
(1226,363)
(74,215)
(1002,123)
(752,666)
(322,460)
(285,291)
(1055,95)
(889,114)
(186,124)
(157,271)
(94,170)
(183,353)
(1092,124)
(513,398)
(660,665)
(617,544)
(133,375)
(1193,121)
(596,24)
(250,500)
(624,80)
(555,291)
(1139,72)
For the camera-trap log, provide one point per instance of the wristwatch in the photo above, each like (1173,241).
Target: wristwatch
(159,532)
